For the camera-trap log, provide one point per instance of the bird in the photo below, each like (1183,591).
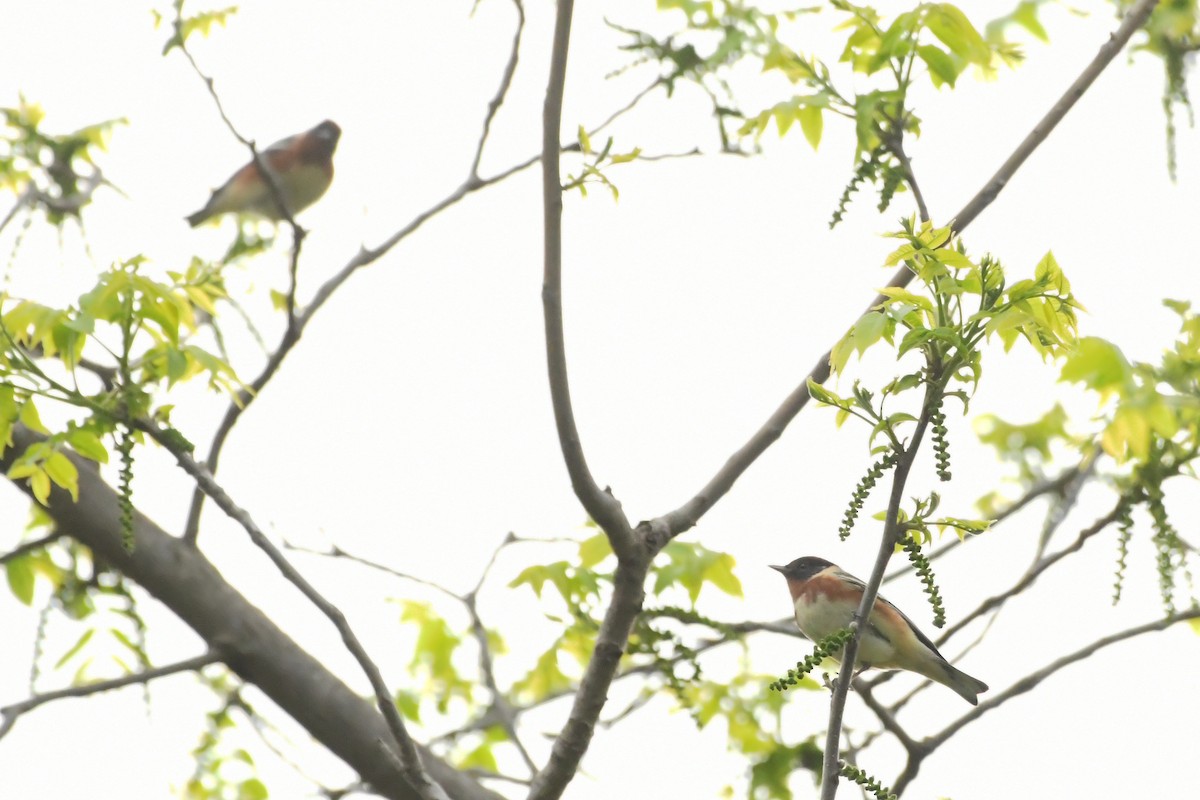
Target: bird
(825,598)
(302,166)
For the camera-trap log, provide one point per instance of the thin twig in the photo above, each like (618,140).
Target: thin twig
(28,547)
(407,758)
(500,709)
(500,704)
(687,515)
(268,175)
(886,717)
(337,552)
(896,145)
(1033,572)
(887,546)
(363,258)
(1031,681)
(1053,486)
(505,83)
(9,714)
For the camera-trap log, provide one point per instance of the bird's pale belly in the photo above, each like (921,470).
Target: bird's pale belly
(818,620)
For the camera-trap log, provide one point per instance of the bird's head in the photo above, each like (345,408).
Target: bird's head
(802,568)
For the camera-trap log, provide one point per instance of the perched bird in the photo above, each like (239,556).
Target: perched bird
(302,166)
(825,599)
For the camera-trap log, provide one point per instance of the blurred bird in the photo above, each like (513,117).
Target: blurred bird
(302,166)
(825,599)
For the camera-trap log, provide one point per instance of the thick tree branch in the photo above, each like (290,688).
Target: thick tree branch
(572,742)
(250,644)
(408,756)
(600,505)
(688,514)
(632,558)
(9,714)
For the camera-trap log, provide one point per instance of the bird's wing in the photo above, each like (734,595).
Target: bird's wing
(283,144)
(921,637)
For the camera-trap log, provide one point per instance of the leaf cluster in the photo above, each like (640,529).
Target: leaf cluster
(52,173)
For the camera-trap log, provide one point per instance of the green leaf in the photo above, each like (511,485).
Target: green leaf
(1026,17)
(720,574)
(409,704)
(252,789)
(811,123)
(822,395)
(481,757)
(64,473)
(1098,364)
(840,354)
(544,679)
(88,445)
(31,419)
(942,68)
(868,330)
(952,27)
(21,577)
(537,575)
(692,565)
(75,648)
(39,483)
(594,549)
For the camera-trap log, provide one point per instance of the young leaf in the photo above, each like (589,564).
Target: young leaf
(21,579)
(811,124)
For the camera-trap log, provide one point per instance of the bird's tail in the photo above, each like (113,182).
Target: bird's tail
(199,217)
(964,685)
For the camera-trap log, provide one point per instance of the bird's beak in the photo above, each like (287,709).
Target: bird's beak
(777,568)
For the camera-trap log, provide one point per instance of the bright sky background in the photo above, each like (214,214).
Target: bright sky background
(413,423)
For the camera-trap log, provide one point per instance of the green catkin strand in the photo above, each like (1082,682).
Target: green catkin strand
(1125,533)
(868,782)
(863,490)
(925,571)
(821,651)
(125,426)
(1166,544)
(941,446)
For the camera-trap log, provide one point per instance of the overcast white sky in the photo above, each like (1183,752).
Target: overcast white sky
(413,425)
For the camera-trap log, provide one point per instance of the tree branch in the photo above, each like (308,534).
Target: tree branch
(1052,486)
(688,514)
(28,547)
(500,709)
(251,645)
(364,257)
(1030,682)
(505,82)
(632,558)
(9,714)
(600,505)
(887,546)
(1033,572)
(408,756)
(576,735)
